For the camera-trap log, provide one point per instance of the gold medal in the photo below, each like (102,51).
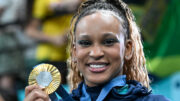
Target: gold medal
(46,76)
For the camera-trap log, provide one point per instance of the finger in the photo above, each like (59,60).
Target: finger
(40,94)
(39,99)
(28,89)
(37,94)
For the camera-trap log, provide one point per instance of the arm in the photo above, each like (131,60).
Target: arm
(1,11)
(33,31)
(69,6)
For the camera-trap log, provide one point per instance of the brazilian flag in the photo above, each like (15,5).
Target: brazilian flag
(164,54)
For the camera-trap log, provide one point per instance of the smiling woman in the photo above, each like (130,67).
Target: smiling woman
(104,32)
(106,55)
(97,48)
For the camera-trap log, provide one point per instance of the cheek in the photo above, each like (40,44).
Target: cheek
(122,51)
(81,54)
(121,45)
(117,52)
(116,56)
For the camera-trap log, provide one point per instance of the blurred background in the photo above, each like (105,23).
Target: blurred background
(34,31)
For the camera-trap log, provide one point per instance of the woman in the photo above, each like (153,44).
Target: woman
(107,59)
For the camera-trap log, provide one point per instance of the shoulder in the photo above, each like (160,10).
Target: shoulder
(137,92)
(152,97)
(144,94)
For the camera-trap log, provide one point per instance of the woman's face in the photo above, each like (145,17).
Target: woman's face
(99,48)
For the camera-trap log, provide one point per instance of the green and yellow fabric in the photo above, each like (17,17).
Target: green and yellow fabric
(164,52)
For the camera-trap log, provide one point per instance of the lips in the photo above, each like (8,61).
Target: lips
(97,67)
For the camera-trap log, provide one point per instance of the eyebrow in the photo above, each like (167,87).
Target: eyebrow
(108,34)
(86,36)
(83,35)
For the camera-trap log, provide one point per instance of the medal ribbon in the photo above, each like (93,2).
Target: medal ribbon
(118,81)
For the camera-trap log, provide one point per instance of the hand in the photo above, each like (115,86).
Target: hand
(69,6)
(54,5)
(59,40)
(35,93)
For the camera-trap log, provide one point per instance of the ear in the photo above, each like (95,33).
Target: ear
(129,50)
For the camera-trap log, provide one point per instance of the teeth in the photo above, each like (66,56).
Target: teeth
(97,66)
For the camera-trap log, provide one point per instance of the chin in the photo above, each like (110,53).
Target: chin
(95,81)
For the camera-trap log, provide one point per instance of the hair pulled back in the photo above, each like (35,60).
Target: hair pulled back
(135,68)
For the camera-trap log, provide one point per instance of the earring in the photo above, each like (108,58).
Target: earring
(81,74)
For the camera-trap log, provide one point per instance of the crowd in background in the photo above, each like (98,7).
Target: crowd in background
(32,32)
(35,31)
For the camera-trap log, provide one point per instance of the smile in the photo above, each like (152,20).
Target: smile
(98,67)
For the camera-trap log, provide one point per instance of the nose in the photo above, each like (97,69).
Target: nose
(96,52)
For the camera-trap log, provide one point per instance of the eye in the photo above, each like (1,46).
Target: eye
(109,42)
(84,43)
